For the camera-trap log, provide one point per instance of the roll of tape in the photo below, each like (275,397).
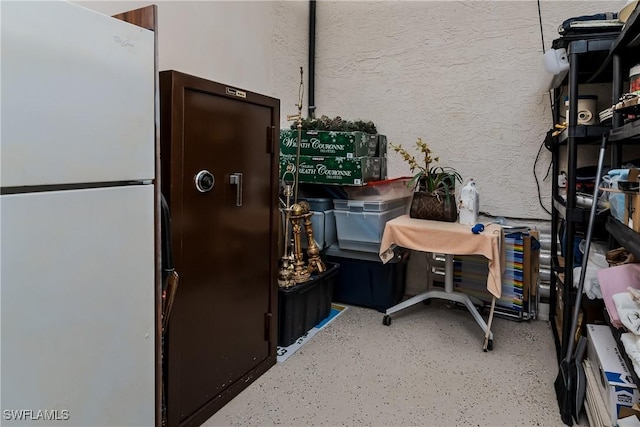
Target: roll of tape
(585,117)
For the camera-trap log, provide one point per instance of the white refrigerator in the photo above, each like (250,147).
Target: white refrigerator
(77,262)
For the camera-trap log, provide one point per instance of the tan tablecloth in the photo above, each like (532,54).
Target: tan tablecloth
(446,238)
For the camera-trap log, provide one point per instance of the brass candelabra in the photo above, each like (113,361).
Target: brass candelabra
(285,275)
(293,269)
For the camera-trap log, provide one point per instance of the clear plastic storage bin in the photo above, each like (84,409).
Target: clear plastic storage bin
(371,205)
(362,230)
(381,190)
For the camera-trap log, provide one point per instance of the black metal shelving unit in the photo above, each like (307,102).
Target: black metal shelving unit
(586,57)
(629,132)
(596,59)
(588,134)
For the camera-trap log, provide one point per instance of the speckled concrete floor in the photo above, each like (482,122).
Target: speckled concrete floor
(426,369)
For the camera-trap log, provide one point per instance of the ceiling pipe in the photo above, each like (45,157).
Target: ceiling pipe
(312,58)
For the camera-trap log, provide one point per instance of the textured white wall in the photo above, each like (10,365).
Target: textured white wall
(254,45)
(466,76)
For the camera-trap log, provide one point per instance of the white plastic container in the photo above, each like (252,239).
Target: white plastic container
(469,204)
(587,109)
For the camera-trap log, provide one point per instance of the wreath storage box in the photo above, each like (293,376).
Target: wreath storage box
(329,143)
(382,153)
(332,170)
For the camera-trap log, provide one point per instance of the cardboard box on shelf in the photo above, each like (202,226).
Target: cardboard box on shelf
(615,383)
(329,143)
(632,211)
(333,170)
(632,203)
(633,411)
(594,404)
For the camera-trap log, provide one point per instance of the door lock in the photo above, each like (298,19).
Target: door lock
(204,181)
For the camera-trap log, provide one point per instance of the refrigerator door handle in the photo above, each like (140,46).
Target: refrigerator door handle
(236,179)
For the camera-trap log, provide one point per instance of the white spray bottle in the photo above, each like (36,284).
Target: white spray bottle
(469,203)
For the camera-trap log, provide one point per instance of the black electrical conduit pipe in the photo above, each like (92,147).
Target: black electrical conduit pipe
(312,57)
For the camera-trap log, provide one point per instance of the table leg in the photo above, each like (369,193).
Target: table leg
(450,295)
(448,273)
(488,342)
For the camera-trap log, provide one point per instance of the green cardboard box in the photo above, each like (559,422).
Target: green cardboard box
(382,153)
(382,146)
(329,143)
(383,168)
(332,170)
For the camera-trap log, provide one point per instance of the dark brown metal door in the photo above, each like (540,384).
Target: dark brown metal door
(223,181)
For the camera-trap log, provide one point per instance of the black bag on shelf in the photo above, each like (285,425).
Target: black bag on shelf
(598,23)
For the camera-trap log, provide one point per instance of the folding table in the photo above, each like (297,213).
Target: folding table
(449,238)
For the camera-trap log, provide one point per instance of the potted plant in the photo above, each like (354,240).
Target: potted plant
(433,197)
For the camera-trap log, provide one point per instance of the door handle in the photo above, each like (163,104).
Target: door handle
(236,179)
